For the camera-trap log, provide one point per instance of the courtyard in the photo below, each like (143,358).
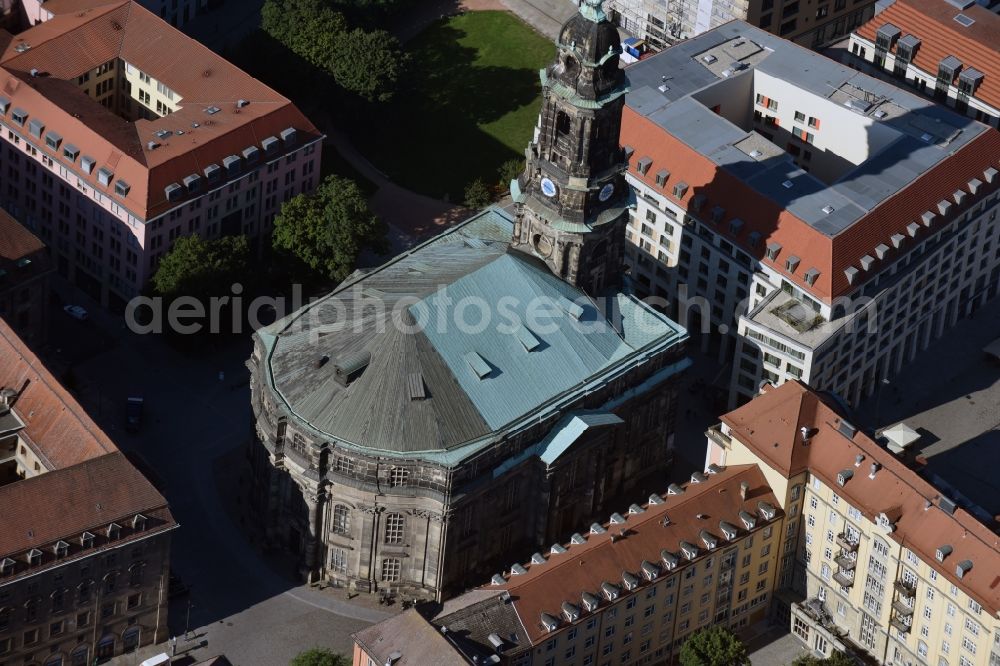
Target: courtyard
(468,105)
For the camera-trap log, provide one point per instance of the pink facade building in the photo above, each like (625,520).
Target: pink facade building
(120,134)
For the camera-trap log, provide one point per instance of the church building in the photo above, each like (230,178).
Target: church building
(488,391)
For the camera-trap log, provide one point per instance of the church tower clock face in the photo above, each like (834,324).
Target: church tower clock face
(571,207)
(549,188)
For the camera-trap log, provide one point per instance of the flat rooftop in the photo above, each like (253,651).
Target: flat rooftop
(914,134)
(949,395)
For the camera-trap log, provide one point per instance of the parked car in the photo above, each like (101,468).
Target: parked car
(133,414)
(76,312)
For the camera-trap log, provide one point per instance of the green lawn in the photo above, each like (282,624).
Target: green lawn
(469,103)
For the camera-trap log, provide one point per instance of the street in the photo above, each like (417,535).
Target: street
(196,425)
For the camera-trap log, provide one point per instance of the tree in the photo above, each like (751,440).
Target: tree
(327,229)
(716,646)
(837,658)
(367,63)
(308,28)
(196,267)
(319,657)
(477,194)
(508,171)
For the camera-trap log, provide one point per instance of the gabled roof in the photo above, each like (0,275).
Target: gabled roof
(73,43)
(56,426)
(584,567)
(933,22)
(64,503)
(770,426)
(22,254)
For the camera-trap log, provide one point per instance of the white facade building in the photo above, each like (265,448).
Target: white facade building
(809,222)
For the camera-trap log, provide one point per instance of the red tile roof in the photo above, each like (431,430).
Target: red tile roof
(721,188)
(16,242)
(584,567)
(64,503)
(57,427)
(831,256)
(71,44)
(770,426)
(933,22)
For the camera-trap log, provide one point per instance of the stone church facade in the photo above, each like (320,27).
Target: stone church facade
(420,461)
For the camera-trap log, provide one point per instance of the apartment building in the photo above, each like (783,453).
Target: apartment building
(84,537)
(629,590)
(945,49)
(811,23)
(886,564)
(25,273)
(120,134)
(806,220)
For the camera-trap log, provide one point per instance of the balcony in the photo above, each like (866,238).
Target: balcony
(903,609)
(900,624)
(846,560)
(844,578)
(905,589)
(846,543)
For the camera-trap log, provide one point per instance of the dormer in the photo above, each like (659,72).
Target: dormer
(87,540)
(942,552)
(538,558)
(549,622)
(60,549)
(6,566)
(669,559)
(590,602)
(34,557)
(597,528)
(113,531)
(884,523)
(728,530)
(844,476)
(963,567)
(630,580)
(708,539)
(498,580)
(610,590)
(570,611)
(674,489)
(649,570)
(766,510)
(748,520)
(689,550)
(698,477)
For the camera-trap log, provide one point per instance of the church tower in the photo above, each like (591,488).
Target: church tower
(572,199)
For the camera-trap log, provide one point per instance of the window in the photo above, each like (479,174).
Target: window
(398,476)
(341,520)
(338,560)
(394,528)
(390,570)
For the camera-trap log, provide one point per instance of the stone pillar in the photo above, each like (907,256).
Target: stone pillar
(309,551)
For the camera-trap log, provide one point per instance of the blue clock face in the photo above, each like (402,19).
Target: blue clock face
(548,187)
(606,192)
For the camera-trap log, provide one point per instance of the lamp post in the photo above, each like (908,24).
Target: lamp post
(878,402)
(187,620)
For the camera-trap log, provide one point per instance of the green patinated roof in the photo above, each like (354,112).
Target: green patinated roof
(461,412)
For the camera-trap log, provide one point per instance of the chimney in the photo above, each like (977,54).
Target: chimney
(875,468)
(806,433)
(858,459)
(744,488)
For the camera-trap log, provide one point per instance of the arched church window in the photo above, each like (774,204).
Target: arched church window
(571,67)
(562,123)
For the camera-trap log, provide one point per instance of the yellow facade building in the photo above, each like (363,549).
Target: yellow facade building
(885,564)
